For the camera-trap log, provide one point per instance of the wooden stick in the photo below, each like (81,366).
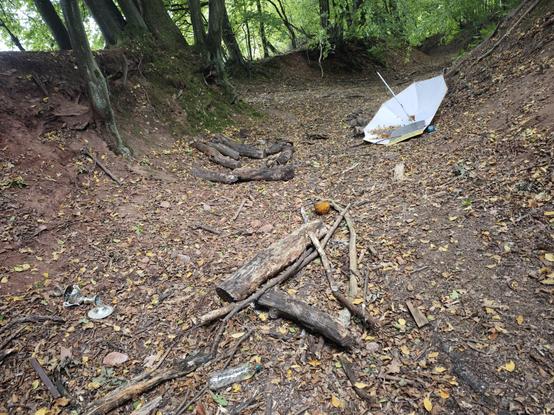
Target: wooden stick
(45,379)
(245,150)
(238,210)
(31,319)
(352,255)
(5,353)
(365,319)
(87,153)
(214,176)
(349,372)
(122,395)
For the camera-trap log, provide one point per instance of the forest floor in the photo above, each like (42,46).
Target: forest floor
(465,235)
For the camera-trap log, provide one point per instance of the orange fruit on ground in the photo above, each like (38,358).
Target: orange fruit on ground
(322,207)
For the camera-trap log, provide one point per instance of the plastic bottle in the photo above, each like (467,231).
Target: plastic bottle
(232,375)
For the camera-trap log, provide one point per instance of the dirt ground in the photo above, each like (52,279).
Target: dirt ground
(466,236)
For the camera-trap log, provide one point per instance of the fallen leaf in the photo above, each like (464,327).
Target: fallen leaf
(314,362)
(443,394)
(361,385)
(549,257)
(21,268)
(509,366)
(336,402)
(41,411)
(548,281)
(357,301)
(519,320)
(237,335)
(115,359)
(427,404)
(439,369)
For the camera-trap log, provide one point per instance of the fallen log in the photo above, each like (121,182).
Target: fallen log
(275,148)
(286,155)
(225,150)
(214,176)
(307,316)
(127,392)
(245,150)
(267,263)
(215,156)
(284,173)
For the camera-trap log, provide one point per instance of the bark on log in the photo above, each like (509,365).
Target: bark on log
(225,150)
(214,176)
(125,393)
(284,173)
(245,150)
(308,316)
(286,155)
(215,156)
(275,148)
(267,263)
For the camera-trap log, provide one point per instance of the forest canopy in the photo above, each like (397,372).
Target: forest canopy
(266,27)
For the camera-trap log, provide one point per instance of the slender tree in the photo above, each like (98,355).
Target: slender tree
(97,86)
(54,23)
(15,40)
(263,37)
(109,19)
(197,24)
(235,54)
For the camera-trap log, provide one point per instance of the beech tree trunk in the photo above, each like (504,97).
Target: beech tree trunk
(54,23)
(13,37)
(235,54)
(197,24)
(132,14)
(96,83)
(109,19)
(161,25)
(262,29)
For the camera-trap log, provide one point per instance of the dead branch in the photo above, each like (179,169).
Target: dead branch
(245,150)
(349,372)
(225,150)
(124,394)
(365,319)
(45,379)
(85,151)
(352,255)
(31,319)
(499,41)
(278,173)
(213,176)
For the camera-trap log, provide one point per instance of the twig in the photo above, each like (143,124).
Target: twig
(10,338)
(85,151)
(45,379)
(525,13)
(304,215)
(349,372)
(365,319)
(206,228)
(238,211)
(5,353)
(302,410)
(352,255)
(31,319)
(236,347)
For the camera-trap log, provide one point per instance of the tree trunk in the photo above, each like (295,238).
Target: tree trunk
(109,19)
(54,23)
(324,14)
(95,81)
(197,24)
(13,37)
(283,15)
(161,25)
(235,54)
(132,14)
(248,41)
(262,29)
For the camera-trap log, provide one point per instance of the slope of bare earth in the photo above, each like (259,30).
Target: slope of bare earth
(465,235)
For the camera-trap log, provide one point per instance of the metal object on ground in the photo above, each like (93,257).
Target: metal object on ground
(100,311)
(408,113)
(72,297)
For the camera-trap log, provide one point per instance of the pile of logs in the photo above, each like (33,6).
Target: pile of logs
(227,153)
(254,282)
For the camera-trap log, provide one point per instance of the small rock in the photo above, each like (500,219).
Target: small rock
(344,317)
(183,259)
(165,204)
(399,172)
(372,347)
(115,359)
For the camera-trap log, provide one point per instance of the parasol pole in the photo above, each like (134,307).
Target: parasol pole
(394,96)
